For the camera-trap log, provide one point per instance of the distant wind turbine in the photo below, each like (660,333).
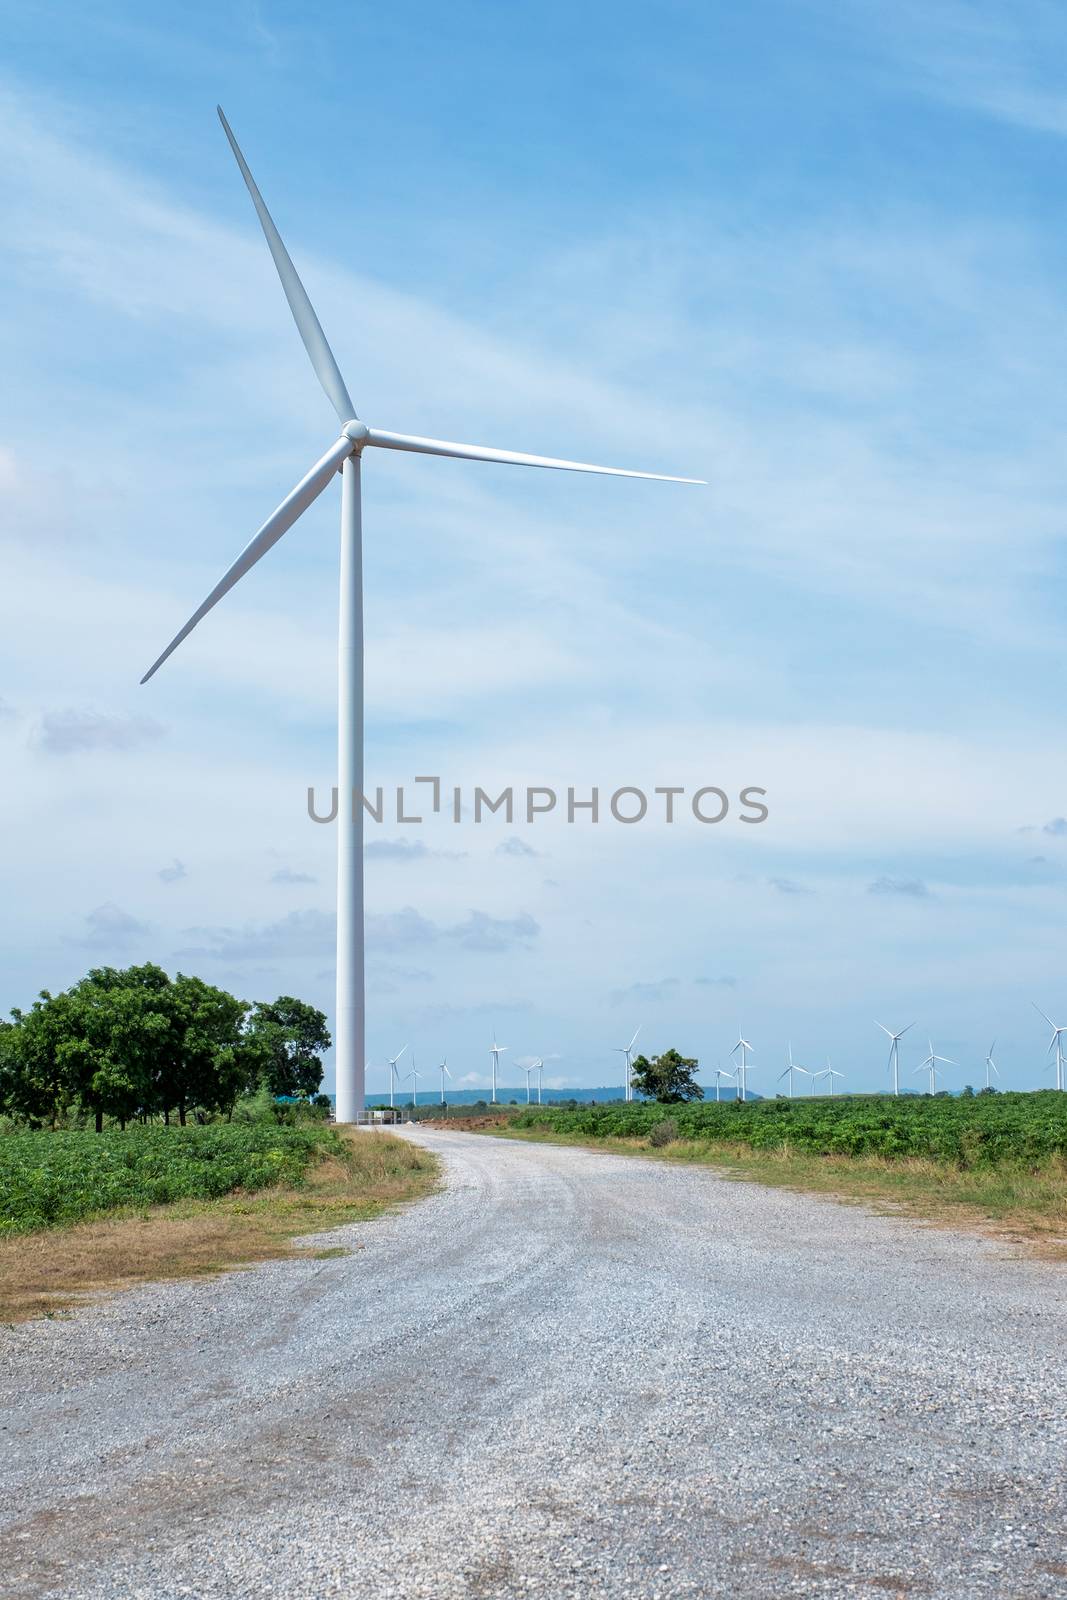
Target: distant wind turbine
(991,1066)
(496,1051)
(930,1064)
(1057,1041)
(627,1051)
(529,1071)
(789,1071)
(394,1076)
(731,1077)
(345,455)
(539,1068)
(830,1073)
(894,1051)
(742,1066)
(414,1075)
(443,1069)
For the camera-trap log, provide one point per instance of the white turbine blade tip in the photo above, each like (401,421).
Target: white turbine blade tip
(512,458)
(308,325)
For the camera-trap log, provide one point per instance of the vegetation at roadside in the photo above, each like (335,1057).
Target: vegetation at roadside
(51,1179)
(352,1177)
(966,1131)
(134,1044)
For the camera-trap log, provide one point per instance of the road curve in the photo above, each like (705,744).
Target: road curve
(564,1374)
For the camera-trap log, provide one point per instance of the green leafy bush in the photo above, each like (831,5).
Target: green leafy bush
(53,1178)
(968,1132)
(663,1132)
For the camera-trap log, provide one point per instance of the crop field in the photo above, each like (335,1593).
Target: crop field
(968,1132)
(50,1179)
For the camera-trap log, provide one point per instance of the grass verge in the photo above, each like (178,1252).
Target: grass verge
(49,1271)
(1025,1205)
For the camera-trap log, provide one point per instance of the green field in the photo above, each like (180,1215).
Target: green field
(49,1179)
(967,1132)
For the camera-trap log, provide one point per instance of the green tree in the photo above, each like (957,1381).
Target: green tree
(668,1078)
(119,1027)
(210,1067)
(285,1042)
(36,1076)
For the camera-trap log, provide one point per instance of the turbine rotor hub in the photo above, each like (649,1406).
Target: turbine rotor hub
(357,431)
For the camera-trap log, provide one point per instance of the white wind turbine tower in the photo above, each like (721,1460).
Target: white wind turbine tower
(731,1077)
(496,1051)
(742,1066)
(529,1071)
(414,1075)
(539,1068)
(991,1066)
(627,1051)
(1057,1041)
(789,1071)
(345,456)
(931,1064)
(443,1069)
(831,1073)
(894,1051)
(394,1076)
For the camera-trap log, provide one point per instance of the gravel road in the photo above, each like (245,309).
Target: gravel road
(564,1374)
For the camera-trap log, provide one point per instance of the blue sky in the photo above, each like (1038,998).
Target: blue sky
(811,252)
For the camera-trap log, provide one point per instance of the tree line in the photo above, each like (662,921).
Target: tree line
(136,1044)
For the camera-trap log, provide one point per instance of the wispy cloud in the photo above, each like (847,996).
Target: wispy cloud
(514,846)
(112,929)
(789,886)
(287,875)
(908,888)
(647,993)
(174,873)
(61,733)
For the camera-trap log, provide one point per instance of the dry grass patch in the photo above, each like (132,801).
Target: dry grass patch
(52,1270)
(1027,1206)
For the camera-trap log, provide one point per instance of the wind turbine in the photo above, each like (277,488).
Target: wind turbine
(931,1063)
(394,1076)
(742,1066)
(345,456)
(830,1073)
(444,1074)
(894,1051)
(789,1071)
(414,1075)
(539,1068)
(496,1051)
(528,1071)
(991,1066)
(626,1050)
(731,1077)
(1057,1040)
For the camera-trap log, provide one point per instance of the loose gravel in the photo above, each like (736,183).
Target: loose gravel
(566,1374)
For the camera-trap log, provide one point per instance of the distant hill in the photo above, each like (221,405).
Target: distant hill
(506,1095)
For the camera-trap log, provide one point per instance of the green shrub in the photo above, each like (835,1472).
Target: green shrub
(663,1132)
(47,1179)
(968,1132)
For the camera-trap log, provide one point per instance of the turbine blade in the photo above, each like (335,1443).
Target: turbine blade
(903,1031)
(279,522)
(1040,1013)
(633,1040)
(513,458)
(308,326)
(884,1029)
